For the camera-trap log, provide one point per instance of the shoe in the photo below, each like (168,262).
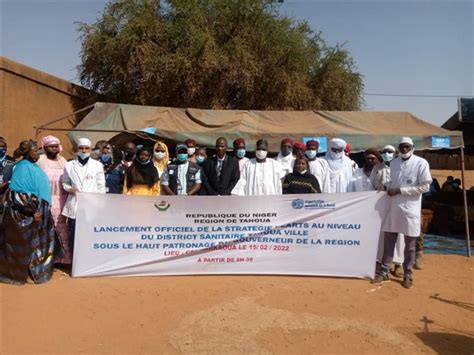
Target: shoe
(397,271)
(418,260)
(407,282)
(380,278)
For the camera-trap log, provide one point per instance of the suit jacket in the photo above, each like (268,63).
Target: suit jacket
(230,174)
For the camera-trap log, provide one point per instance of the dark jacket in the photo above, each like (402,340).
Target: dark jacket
(230,174)
(296,183)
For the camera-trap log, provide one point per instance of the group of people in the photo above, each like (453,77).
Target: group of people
(40,202)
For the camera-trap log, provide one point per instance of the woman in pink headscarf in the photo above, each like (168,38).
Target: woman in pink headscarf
(53,164)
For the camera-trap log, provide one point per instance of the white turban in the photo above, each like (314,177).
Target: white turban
(406,140)
(389,147)
(84,142)
(337,143)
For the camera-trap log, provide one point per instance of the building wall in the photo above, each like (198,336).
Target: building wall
(30,98)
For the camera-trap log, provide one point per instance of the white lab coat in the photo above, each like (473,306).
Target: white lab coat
(260,179)
(85,178)
(320,169)
(413,178)
(379,176)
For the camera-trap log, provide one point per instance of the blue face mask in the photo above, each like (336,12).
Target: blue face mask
(144,162)
(311,154)
(3,152)
(240,153)
(105,158)
(182,157)
(200,158)
(387,157)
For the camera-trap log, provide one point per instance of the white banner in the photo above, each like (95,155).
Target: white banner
(313,234)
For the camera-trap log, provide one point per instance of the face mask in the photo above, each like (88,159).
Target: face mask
(200,159)
(407,155)
(387,157)
(182,157)
(261,154)
(303,172)
(311,154)
(144,162)
(105,158)
(240,153)
(191,151)
(286,151)
(3,152)
(97,152)
(455,184)
(338,155)
(159,155)
(83,155)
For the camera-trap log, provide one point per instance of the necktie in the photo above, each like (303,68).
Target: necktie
(219,168)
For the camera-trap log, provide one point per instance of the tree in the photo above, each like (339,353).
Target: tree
(234,54)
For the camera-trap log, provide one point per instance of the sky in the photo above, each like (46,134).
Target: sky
(400,47)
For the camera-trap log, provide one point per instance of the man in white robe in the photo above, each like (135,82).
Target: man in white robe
(362,175)
(260,175)
(285,156)
(409,178)
(379,177)
(317,166)
(341,167)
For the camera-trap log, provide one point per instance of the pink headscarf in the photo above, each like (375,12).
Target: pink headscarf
(51,140)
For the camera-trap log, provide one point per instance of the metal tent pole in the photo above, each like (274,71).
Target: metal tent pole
(466,211)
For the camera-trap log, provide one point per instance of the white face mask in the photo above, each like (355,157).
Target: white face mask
(261,154)
(407,155)
(191,151)
(159,155)
(338,155)
(303,172)
(83,155)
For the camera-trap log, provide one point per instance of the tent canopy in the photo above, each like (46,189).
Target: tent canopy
(360,129)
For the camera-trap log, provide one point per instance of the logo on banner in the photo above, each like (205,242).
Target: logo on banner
(162,206)
(297,204)
(311,204)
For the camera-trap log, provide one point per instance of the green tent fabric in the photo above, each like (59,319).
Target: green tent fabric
(361,129)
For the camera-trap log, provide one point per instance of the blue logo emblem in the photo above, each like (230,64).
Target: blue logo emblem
(297,203)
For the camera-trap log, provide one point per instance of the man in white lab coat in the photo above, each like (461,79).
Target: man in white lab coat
(82,174)
(409,178)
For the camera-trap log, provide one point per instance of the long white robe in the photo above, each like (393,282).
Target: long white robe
(242,163)
(287,163)
(320,169)
(259,178)
(341,173)
(413,178)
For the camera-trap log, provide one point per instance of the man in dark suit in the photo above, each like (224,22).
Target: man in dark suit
(222,171)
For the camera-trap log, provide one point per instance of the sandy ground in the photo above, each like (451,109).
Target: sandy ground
(244,314)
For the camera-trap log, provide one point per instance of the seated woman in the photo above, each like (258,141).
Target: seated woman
(142,176)
(300,181)
(30,238)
